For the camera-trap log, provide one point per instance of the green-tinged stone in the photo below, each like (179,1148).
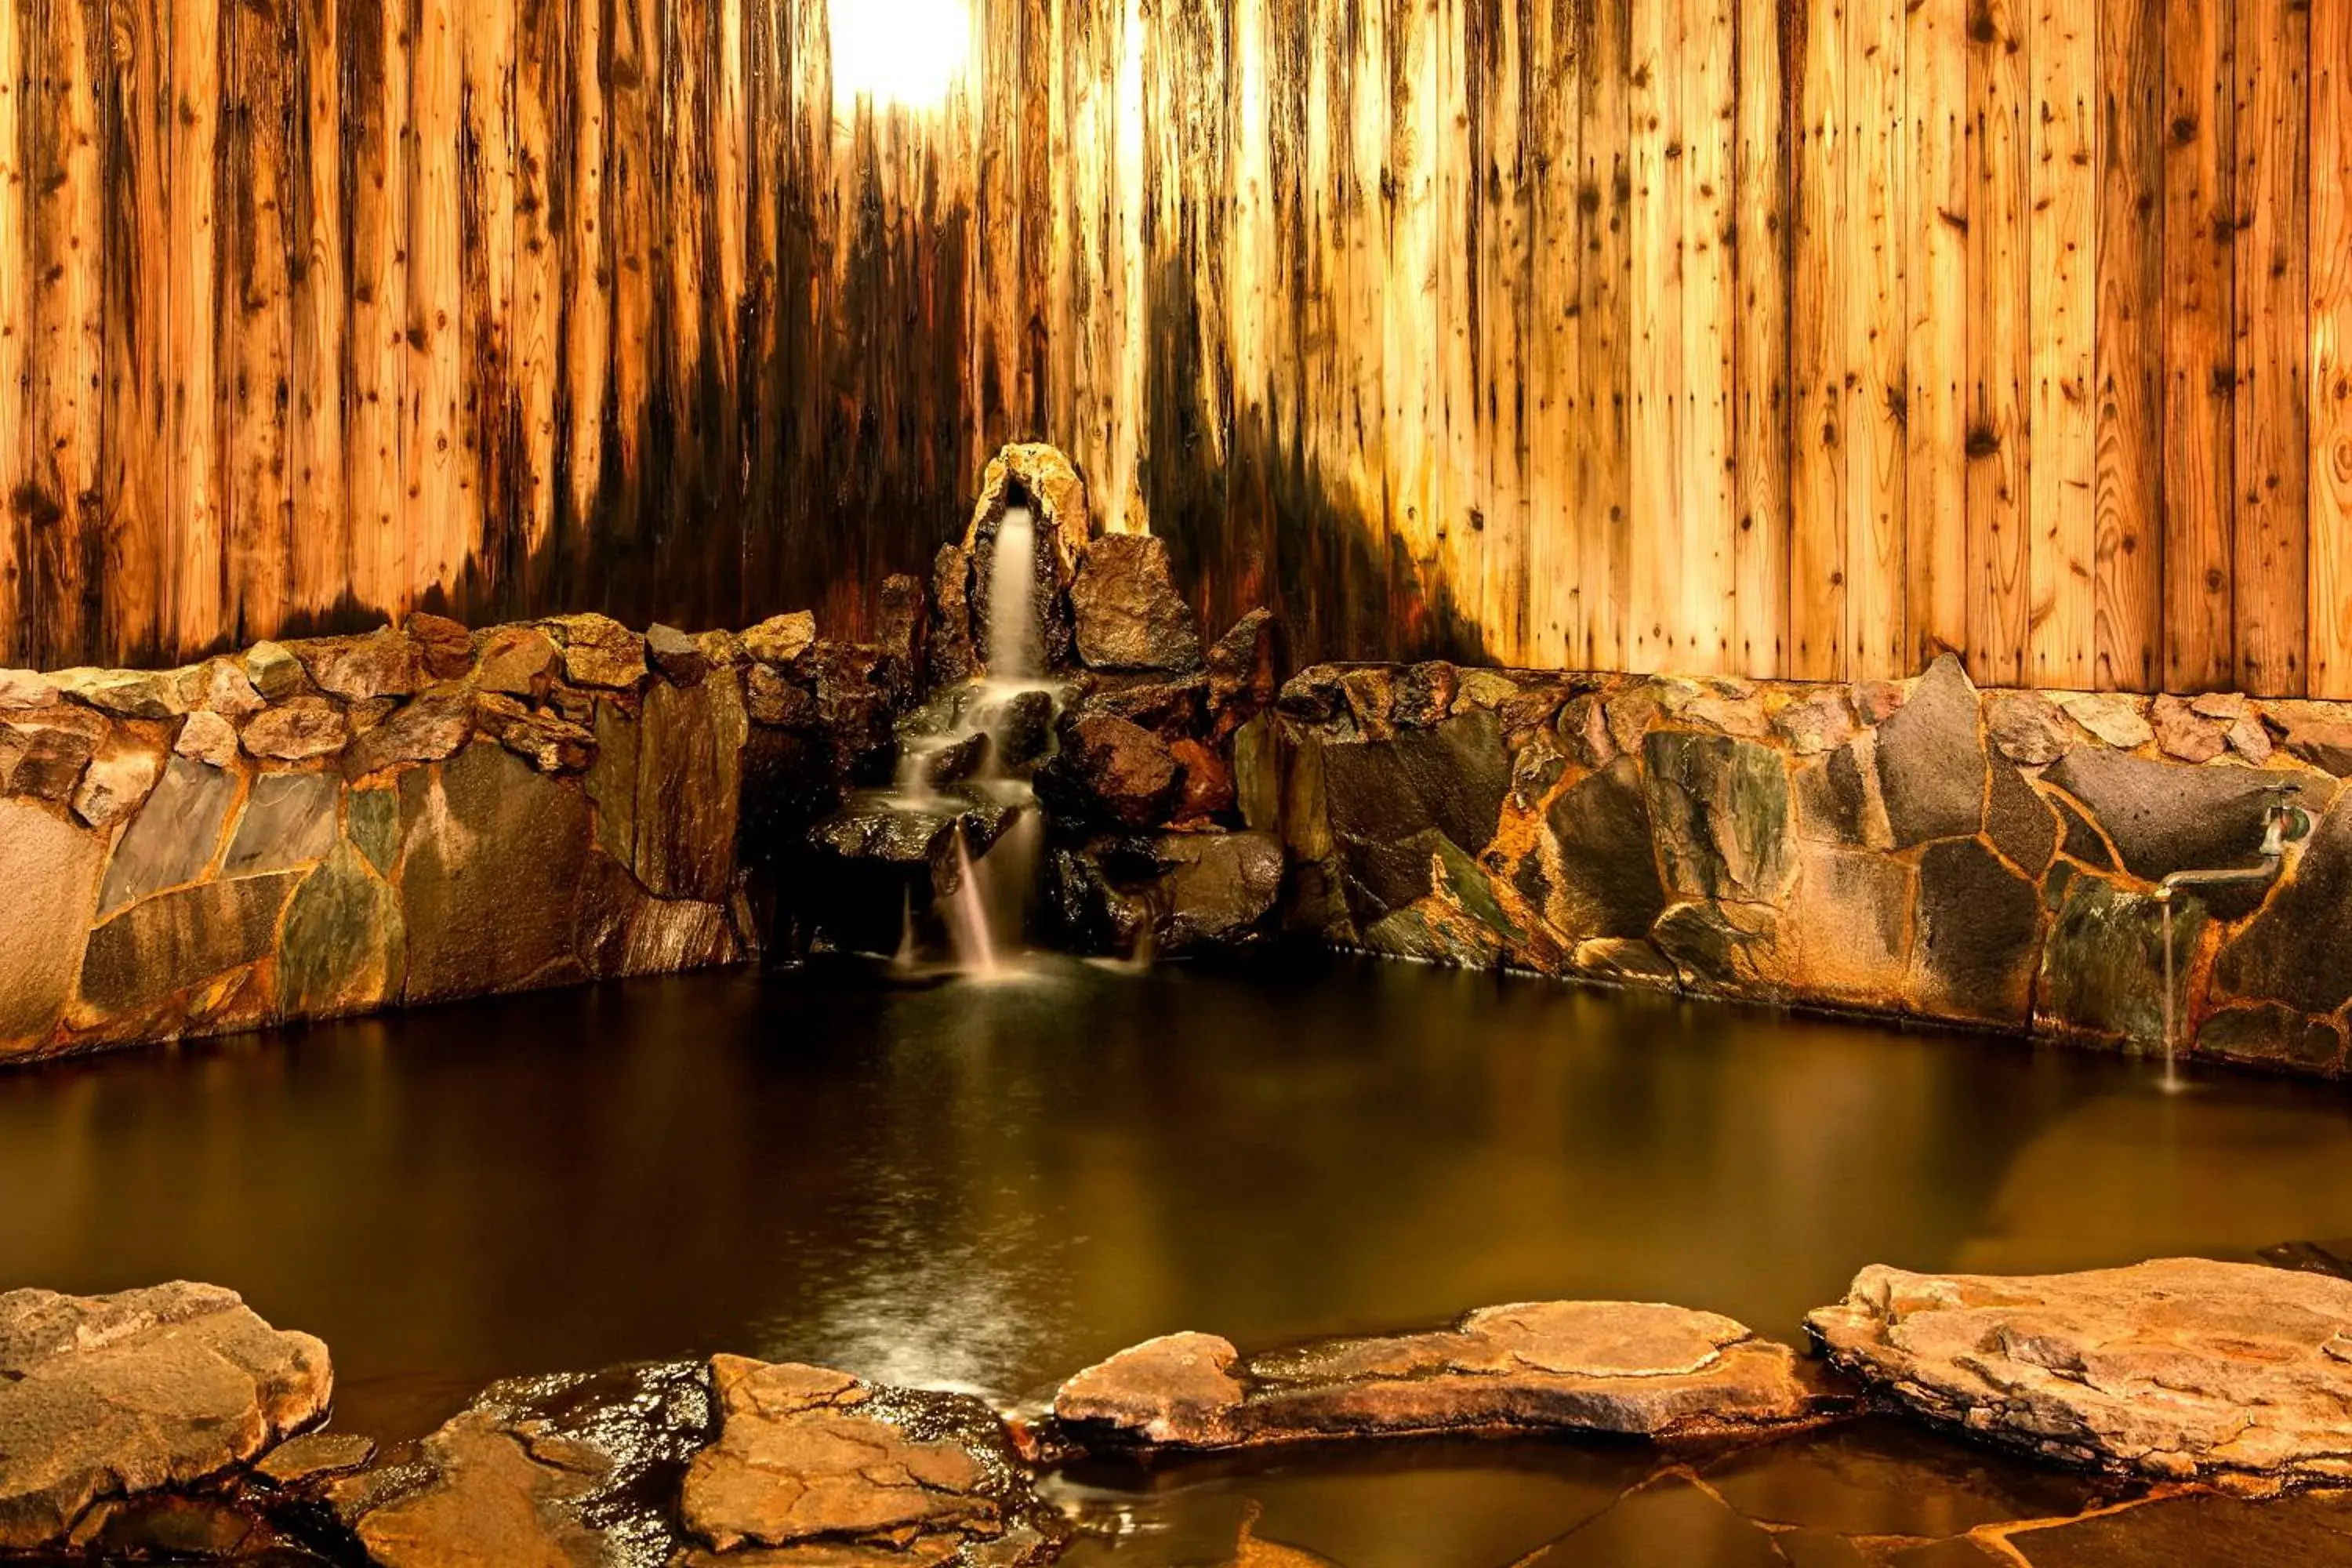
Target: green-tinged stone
(288,820)
(1723,947)
(166,945)
(345,948)
(174,837)
(374,826)
(1721,810)
(2103,971)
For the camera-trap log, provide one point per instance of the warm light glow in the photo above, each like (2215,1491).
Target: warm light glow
(899,51)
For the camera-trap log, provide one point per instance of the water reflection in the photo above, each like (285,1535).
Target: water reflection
(989,1187)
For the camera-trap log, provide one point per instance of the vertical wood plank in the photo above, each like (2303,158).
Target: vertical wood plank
(69,345)
(1551,89)
(2127,615)
(135,420)
(1938,198)
(17,576)
(374,454)
(1876,325)
(2063,312)
(2199,360)
(2273,142)
(433,462)
(198,588)
(2331,350)
(321,565)
(485,179)
(1603,519)
(2000,287)
(631,88)
(1705,603)
(541,95)
(1763,431)
(1500,186)
(1822,305)
(1659,507)
(256,316)
(588,275)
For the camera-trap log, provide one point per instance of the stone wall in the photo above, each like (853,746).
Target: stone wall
(1920,849)
(319,828)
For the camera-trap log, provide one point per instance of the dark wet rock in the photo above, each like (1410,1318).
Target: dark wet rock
(551,744)
(314,1455)
(1821,720)
(1126,610)
(174,837)
(275,672)
(936,763)
(598,651)
(819,1464)
(690,782)
(297,729)
(1312,696)
(122,774)
(1426,694)
(1849,923)
(1626,961)
(1241,680)
(1608,879)
(169,1527)
(953,658)
(681,659)
(1977,936)
(1111,772)
(1390,804)
(288,820)
(2179,1370)
(119,1395)
(345,947)
(2268,1035)
(1209,790)
(1720,808)
(1169,707)
(2184,734)
(2103,967)
(151,952)
(779,703)
(2275,958)
(1021,724)
(360,668)
(494,856)
(1563,1367)
(855,708)
(1369,694)
(876,826)
(50,870)
(2163,817)
(517,661)
(125,693)
(2115,718)
(207,737)
(1726,948)
(2020,823)
(428,729)
(1931,760)
(781,641)
(902,622)
(2326,746)
(2028,728)
(1171,894)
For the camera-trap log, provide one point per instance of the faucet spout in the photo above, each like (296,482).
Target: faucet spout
(2284,823)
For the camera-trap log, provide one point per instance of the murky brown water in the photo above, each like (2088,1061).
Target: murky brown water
(989,1187)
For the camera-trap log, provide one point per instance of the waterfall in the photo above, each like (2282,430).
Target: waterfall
(1013,654)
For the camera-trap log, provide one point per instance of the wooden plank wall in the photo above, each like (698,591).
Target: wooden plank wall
(1802,337)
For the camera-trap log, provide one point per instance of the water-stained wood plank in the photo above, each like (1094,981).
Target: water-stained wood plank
(2200,345)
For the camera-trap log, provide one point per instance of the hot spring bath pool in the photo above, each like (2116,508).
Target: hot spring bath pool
(990,1187)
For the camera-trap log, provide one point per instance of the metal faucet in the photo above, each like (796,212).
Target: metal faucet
(2284,823)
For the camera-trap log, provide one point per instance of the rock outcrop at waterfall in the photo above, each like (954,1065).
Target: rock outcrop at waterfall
(106,1399)
(2181,1370)
(1620,1368)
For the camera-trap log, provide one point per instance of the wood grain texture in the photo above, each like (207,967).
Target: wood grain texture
(1801,337)
(2331,350)
(2128,343)
(2199,490)
(2273,268)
